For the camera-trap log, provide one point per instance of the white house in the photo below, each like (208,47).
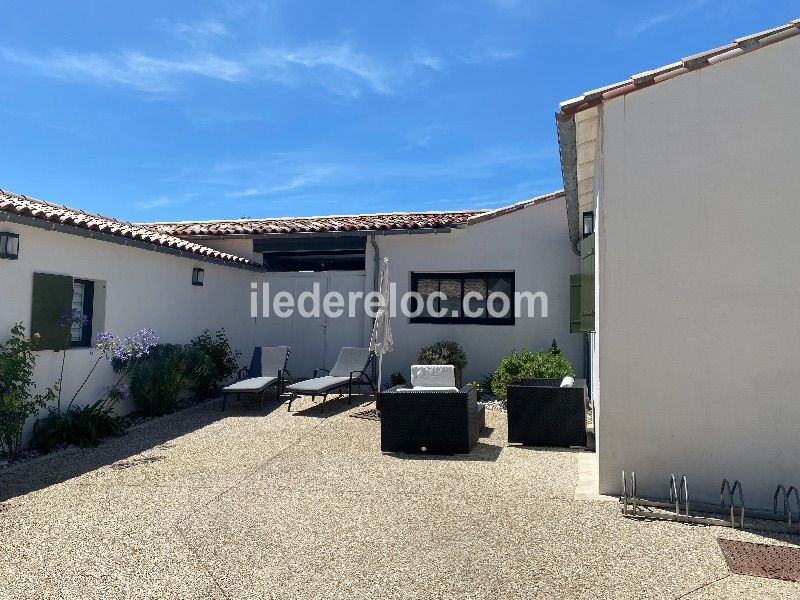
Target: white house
(522,246)
(689,172)
(126,277)
(123,277)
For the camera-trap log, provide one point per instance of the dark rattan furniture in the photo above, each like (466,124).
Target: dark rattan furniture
(430,422)
(540,413)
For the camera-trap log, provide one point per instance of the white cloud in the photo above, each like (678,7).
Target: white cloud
(130,69)
(426,59)
(652,21)
(339,68)
(282,174)
(195,30)
(160,202)
(486,56)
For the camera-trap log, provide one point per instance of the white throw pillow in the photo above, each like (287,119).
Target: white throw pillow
(567,382)
(433,376)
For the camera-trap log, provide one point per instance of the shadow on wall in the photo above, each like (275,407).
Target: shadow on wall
(119,453)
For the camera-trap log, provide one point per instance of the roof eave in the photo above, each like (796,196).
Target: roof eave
(12,217)
(568,153)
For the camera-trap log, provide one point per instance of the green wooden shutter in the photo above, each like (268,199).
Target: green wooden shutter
(575,303)
(587,283)
(52,298)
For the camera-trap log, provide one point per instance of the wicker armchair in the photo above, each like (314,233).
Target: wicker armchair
(430,422)
(540,413)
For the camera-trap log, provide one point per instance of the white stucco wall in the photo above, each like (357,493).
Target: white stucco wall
(532,242)
(698,337)
(142,289)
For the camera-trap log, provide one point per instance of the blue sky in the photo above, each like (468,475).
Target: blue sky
(151,111)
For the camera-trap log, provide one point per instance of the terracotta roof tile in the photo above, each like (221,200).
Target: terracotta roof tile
(698,61)
(376,222)
(64,215)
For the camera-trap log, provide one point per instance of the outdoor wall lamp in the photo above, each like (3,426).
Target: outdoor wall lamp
(9,245)
(588,223)
(197,276)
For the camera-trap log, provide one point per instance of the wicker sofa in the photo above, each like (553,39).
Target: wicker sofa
(540,413)
(431,422)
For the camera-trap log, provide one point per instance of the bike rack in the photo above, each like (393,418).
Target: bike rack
(678,495)
(787,509)
(625,492)
(731,500)
(726,487)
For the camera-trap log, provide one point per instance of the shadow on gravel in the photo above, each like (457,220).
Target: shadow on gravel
(482,452)
(329,408)
(40,472)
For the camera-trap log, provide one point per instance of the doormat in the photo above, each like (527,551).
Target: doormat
(370,415)
(761,560)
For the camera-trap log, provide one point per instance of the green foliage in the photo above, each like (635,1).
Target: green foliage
(523,365)
(486,381)
(82,426)
(217,362)
(159,379)
(17,401)
(397,378)
(446,352)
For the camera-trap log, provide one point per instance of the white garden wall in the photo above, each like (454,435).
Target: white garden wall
(533,242)
(697,259)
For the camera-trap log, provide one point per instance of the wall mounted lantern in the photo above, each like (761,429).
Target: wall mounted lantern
(588,223)
(197,276)
(9,245)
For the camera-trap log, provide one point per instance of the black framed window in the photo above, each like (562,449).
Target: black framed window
(465,298)
(82,303)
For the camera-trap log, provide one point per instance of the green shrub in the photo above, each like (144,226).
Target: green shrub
(163,376)
(221,364)
(397,378)
(82,426)
(523,365)
(17,400)
(446,352)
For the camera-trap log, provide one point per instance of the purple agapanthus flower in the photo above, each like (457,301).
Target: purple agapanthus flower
(131,347)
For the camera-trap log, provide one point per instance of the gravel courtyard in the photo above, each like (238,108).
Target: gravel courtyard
(268,504)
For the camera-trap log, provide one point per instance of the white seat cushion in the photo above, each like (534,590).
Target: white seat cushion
(437,376)
(567,382)
(427,388)
(254,384)
(318,385)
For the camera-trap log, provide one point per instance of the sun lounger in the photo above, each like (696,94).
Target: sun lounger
(267,369)
(350,369)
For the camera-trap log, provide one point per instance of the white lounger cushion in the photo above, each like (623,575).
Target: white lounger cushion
(436,376)
(254,384)
(318,385)
(426,388)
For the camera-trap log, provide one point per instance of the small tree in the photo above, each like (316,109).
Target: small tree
(17,400)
